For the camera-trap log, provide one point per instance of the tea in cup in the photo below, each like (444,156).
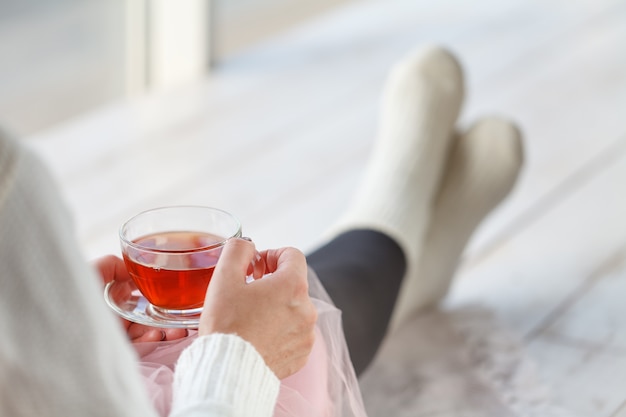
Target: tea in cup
(171,254)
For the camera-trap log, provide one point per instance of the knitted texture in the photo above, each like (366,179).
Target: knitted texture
(481,169)
(421,102)
(223,370)
(426,186)
(62,351)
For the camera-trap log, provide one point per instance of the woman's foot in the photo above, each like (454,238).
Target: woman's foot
(425,186)
(482,167)
(422,100)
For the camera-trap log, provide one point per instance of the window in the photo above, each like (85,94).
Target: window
(59,57)
(238,24)
(63,57)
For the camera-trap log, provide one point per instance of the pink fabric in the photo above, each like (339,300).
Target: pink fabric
(325,387)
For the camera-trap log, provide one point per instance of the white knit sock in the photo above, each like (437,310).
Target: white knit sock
(421,103)
(482,168)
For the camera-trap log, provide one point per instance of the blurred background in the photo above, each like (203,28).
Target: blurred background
(269,109)
(64,57)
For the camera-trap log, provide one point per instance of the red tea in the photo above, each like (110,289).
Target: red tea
(175,270)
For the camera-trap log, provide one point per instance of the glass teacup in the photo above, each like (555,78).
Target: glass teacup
(171,253)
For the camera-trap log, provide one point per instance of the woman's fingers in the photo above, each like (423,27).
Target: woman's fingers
(274,314)
(111,268)
(140,333)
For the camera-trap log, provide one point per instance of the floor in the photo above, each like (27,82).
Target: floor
(280,134)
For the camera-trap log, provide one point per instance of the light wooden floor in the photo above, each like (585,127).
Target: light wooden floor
(280,134)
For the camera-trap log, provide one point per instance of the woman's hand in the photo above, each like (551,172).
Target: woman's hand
(112,268)
(275,313)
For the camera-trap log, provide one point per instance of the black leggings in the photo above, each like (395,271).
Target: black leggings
(362,271)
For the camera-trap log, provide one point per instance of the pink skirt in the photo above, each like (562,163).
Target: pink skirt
(326,387)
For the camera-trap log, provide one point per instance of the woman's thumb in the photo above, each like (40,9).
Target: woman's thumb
(233,263)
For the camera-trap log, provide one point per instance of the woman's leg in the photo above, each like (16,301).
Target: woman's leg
(380,246)
(362,269)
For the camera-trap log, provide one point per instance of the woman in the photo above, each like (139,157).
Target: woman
(392,254)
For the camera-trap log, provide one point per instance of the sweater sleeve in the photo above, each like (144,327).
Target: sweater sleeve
(223,375)
(62,351)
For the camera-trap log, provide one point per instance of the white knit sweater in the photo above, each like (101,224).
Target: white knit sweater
(62,351)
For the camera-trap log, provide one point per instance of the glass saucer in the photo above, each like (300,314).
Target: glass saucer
(126,300)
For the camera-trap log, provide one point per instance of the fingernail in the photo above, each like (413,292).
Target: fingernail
(246,238)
